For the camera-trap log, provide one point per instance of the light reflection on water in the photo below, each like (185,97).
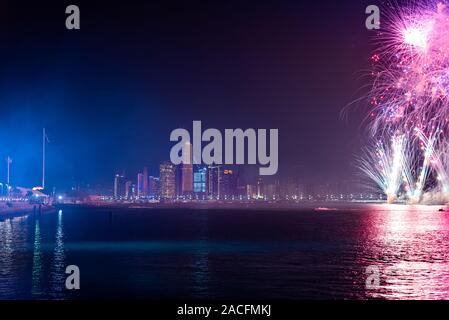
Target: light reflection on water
(228,254)
(37,276)
(200,261)
(7,276)
(411,242)
(58,264)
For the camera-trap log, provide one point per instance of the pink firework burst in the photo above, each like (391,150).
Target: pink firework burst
(412,67)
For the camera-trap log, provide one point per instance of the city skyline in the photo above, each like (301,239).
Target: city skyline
(226,182)
(109,109)
(184,180)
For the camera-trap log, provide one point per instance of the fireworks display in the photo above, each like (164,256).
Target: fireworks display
(409,114)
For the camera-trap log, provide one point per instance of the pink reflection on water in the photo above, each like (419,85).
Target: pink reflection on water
(410,246)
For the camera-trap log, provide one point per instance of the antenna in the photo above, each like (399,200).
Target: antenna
(44,141)
(8,161)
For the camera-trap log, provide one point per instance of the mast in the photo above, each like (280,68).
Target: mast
(44,138)
(8,161)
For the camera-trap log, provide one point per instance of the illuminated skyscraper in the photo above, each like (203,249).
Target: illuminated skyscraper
(214,184)
(145,182)
(140,185)
(187,171)
(178,180)
(119,186)
(167,180)
(228,183)
(200,180)
(128,189)
(260,189)
(153,187)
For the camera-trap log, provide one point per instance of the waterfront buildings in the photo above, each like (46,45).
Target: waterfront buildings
(187,171)
(167,173)
(119,186)
(140,185)
(129,190)
(200,181)
(145,182)
(153,187)
(214,182)
(225,183)
(228,182)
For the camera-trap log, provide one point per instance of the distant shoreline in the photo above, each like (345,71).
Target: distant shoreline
(316,206)
(20,209)
(217,206)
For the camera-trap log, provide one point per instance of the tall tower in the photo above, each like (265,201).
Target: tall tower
(140,185)
(153,187)
(145,182)
(119,187)
(128,189)
(214,182)
(228,183)
(187,170)
(167,180)
(260,189)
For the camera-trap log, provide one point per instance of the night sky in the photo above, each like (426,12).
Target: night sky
(111,93)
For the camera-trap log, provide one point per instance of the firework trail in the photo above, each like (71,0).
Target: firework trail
(410,103)
(384,166)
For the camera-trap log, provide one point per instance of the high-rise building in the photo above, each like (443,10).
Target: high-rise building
(128,189)
(178,180)
(200,180)
(187,171)
(153,187)
(145,182)
(260,189)
(133,190)
(119,186)
(214,182)
(167,180)
(140,184)
(228,183)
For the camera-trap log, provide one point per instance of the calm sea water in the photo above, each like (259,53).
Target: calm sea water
(223,254)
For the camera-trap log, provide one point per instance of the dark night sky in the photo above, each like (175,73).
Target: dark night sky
(111,93)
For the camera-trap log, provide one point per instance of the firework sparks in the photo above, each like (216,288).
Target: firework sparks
(410,103)
(385,165)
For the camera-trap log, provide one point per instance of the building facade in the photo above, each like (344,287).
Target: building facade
(153,187)
(200,180)
(145,182)
(119,186)
(167,181)
(187,171)
(140,184)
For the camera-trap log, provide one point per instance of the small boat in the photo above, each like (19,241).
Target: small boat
(321,209)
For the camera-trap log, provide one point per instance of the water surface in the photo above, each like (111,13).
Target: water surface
(228,254)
